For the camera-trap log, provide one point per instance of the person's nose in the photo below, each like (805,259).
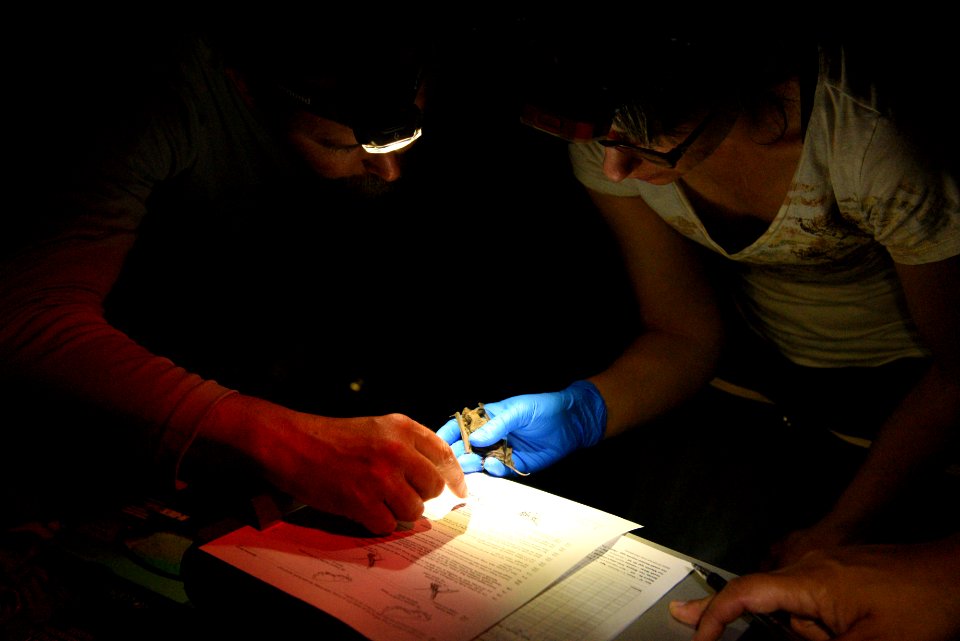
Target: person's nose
(386,166)
(618,165)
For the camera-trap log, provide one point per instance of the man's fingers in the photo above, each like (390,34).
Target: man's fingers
(809,629)
(406,505)
(441,455)
(378,519)
(689,612)
(453,475)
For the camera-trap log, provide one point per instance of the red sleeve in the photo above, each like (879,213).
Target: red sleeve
(53,331)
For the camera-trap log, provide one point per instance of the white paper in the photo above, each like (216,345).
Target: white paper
(449,576)
(599,598)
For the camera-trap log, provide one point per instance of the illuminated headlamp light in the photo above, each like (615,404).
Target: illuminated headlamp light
(384,135)
(381,122)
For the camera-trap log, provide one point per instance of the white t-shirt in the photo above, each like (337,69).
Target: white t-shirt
(820,282)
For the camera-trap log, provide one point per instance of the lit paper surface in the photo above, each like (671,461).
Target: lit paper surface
(599,598)
(449,576)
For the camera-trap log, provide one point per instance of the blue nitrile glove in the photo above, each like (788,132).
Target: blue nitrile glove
(541,429)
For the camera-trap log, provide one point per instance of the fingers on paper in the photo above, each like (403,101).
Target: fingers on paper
(757,593)
(689,612)
(405,505)
(443,460)
(378,519)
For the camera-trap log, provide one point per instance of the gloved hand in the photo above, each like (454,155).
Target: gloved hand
(541,429)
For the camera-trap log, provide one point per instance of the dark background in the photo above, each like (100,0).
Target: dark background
(487,274)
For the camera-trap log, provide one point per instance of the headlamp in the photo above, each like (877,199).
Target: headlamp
(389,131)
(383,115)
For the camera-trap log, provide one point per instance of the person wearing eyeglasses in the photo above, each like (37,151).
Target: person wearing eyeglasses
(179,278)
(794,383)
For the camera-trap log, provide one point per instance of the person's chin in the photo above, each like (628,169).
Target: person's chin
(656,175)
(661,179)
(367,186)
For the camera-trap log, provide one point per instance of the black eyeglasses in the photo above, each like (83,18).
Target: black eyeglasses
(661,158)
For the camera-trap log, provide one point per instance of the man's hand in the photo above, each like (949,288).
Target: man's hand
(374,470)
(855,593)
(797,544)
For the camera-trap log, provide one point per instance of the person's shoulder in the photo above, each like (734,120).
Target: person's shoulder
(899,71)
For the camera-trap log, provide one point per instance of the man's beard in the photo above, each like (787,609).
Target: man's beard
(367,187)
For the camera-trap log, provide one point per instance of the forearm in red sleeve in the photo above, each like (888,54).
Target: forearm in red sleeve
(53,332)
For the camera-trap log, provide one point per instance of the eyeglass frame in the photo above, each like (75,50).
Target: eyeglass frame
(669,159)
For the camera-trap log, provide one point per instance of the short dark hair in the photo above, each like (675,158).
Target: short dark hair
(656,79)
(335,68)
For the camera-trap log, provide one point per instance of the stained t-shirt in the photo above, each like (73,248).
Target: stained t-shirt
(820,283)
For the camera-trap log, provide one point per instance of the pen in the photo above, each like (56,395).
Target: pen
(777,628)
